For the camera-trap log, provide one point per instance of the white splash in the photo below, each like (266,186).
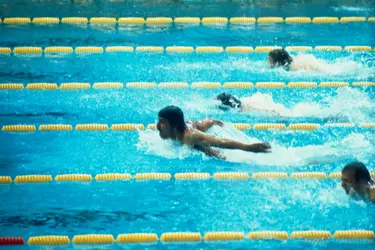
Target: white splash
(152,144)
(352,145)
(350,103)
(344,66)
(350,8)
(310,65)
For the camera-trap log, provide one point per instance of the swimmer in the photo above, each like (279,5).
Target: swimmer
(281,58)
(246,105)
(356,181)
(171,125)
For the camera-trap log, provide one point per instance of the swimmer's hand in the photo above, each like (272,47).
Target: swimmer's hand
(218,123)
(263,147)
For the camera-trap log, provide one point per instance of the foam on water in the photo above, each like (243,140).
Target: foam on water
(305,193)
(350,8)
(354,144)
(152,144)
(346,66)
(350,104)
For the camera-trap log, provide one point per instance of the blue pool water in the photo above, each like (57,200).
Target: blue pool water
(197,206)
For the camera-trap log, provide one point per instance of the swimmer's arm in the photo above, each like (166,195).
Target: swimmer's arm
(372,194)
(204,125)
(205,140)
(210,151)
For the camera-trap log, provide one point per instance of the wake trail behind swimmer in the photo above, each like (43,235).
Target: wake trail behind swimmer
(329,108)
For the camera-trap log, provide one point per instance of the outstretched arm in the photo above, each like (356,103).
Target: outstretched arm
(210,151)
(204,140)
(206,124)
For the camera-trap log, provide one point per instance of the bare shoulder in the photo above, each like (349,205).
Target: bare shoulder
(202,121)
(193,123)
(195,133)
(191,136)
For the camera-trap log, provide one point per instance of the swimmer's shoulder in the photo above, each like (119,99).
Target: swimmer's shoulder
(304,62)
(191,124)
(191,135)
(198,125)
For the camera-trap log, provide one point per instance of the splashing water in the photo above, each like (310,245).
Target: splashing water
(151,143)
(339,67)
(352,145)
(350,8)
(344,66)
(350,104)
(331,106)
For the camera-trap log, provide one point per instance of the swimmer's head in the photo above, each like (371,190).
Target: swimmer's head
(171,121)
(279,58)
(355,177)
(228,101)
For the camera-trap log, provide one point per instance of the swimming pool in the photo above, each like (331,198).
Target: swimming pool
(339,115)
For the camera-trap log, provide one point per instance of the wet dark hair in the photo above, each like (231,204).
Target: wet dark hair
(280,58)
(175,117)
(228,101)
(361,173)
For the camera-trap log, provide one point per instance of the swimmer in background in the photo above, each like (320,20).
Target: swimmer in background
(172,125)
(246,105)
(281,58)
(356,181)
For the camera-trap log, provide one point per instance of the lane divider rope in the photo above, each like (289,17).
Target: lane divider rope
(135,127)
(79,50)
(189,237)
(187,176)
(156,21)
(176,85)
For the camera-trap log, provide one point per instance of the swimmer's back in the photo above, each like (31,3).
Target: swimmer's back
(305,62)
(255,104)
